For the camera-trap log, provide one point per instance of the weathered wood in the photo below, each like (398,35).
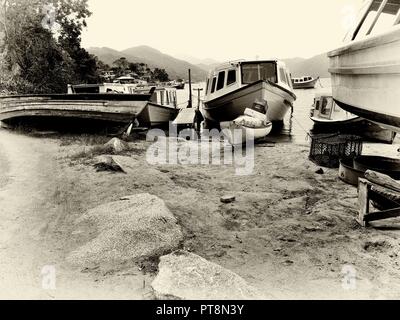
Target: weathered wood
(381,215)
(382,180)
(363,201)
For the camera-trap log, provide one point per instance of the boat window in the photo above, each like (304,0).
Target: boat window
(207,85)
(380,16)
(326,107)
(214,82)
(221,80)
(255,71)
(317,104)
(387,18)
(282,75)
(231,77)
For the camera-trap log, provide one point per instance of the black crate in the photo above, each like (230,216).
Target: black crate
(327,149)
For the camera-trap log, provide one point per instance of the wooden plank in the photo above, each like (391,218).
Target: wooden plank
(381,215)
(382,180)
(363,201)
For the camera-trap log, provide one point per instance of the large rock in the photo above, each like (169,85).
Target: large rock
(116,145)
(186,276)
(134,228)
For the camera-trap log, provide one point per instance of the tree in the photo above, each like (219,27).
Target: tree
(40,51)
(160,75)
(121,65)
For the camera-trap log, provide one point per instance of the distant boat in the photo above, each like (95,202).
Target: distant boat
(234,86)
(365,72)
(304,82)
(179,85)
(329,117)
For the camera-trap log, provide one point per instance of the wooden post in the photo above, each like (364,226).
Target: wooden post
(363,201)
(190,105)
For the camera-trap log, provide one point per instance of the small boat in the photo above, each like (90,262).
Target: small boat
(365,72)
(161,109)
(239,134)
(304,82)
(251,126)
(329,117)
(326,112)
(234,86)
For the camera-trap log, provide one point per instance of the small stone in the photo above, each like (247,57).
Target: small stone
(228,199)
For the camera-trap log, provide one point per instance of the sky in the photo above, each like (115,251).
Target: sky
(222,29)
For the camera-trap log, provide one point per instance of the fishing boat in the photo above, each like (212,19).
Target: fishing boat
(161,109)
(329,117)
(304,82)
(234,86)
(120,108)
(365,71)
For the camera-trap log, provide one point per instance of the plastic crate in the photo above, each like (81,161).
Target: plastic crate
(328,149)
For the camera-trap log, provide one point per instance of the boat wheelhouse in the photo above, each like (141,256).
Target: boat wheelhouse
(365,71)
(306,82)
(325,111)
(234,86)
(328,116)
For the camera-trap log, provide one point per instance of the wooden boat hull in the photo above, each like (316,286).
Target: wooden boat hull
(154,115)
(108,107)
(305,85)
(359,126)
(366,78)
(233,104)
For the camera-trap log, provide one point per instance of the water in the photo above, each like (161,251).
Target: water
(296,126)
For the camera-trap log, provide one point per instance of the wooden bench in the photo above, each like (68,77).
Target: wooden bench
(384,192)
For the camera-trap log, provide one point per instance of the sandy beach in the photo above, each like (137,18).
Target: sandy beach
(289,233)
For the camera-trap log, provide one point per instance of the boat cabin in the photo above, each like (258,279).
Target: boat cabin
(375,18)
(302,80)
(231,76)
(324,107)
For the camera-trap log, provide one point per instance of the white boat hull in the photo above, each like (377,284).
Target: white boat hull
(366,78)
(233,104)
(238,134)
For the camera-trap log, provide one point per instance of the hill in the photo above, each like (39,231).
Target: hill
(315,66)
(154,59)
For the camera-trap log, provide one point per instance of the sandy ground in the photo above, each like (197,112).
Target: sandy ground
(289,233)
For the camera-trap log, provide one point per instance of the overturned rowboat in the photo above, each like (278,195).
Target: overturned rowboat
(121,108)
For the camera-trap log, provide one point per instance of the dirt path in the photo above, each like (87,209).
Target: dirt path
(35,226)
(290,231)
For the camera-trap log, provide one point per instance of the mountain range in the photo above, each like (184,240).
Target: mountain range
(178,67)
(175,68)
(316,66)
